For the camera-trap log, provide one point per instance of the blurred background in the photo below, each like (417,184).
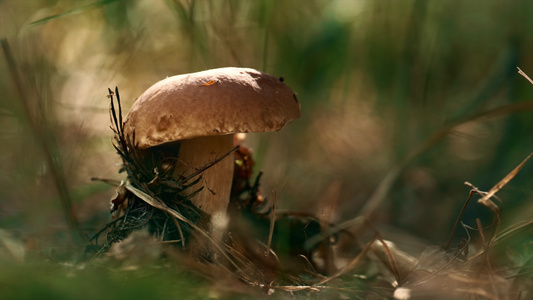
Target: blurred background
(384,86)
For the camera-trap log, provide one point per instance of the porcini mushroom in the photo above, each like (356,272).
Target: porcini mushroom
(199,113)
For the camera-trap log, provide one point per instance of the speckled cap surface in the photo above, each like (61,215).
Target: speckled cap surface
(213,102)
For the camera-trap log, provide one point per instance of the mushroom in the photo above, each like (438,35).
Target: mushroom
(197,114)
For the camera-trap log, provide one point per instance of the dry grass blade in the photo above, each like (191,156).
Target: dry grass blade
(525,75)
(272,221)
(297,288)
(509,231)
(111,182)
(470,194)
(354,263)
(485,200)
(180,231)
(209,165)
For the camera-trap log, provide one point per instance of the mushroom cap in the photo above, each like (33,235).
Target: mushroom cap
(213,102)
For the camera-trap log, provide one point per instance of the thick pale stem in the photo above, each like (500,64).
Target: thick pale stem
(195,154)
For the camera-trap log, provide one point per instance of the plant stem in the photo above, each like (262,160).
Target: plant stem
(48,147)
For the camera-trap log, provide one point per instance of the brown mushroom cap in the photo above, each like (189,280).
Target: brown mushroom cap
(213,102)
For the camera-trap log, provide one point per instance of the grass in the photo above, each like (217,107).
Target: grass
(402,102)
(54,281)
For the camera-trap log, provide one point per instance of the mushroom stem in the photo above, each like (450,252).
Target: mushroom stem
(195,154)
